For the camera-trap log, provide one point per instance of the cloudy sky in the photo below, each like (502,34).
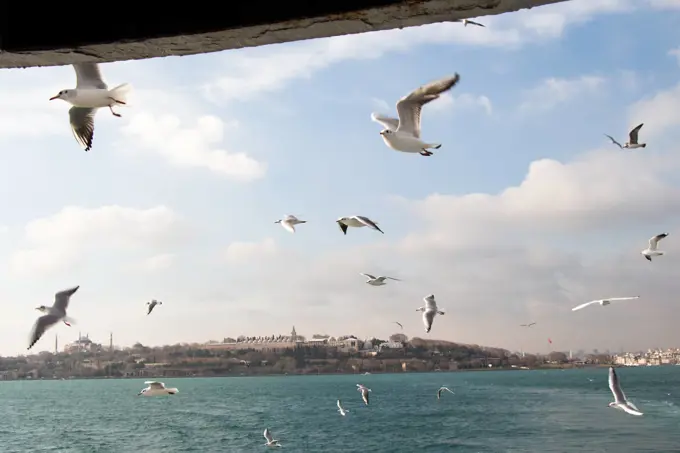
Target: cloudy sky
(525,211)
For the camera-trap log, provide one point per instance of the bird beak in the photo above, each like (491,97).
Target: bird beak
(382,132)
(54,97)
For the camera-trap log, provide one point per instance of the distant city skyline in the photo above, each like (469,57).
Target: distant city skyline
(526,211)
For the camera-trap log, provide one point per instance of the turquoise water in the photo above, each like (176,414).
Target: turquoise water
(520,411)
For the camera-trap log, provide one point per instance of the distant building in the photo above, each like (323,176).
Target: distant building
(270,343)
(82,344)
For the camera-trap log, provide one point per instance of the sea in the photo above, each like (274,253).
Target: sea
(491,411)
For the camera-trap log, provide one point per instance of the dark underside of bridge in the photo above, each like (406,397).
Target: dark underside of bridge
(66,32)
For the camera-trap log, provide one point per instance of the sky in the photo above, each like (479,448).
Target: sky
(526,210)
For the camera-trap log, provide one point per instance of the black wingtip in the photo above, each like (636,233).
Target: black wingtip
(644,145)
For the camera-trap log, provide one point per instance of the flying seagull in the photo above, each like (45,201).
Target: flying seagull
(620,400)
(527,325)
(651,251)
(271,442)
(403,134)
(429,312)
(341,409)
(90,94)
(357,221)
(632,142)
(54,314)
(152,305)
(399,324)
(289,222)
(377,281)
(155,388)
(467,21)
(364,392)
(441,389)
(603,302)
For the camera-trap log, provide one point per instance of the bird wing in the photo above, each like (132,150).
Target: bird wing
(615,386)
(340,405)
(654,242)
(62,298)
(368,222)
(623,298)
(88,75)
(399,324)
(629,409)
(395,279)
(40,326)
(633,135)
(389,123)
(343,227)
(155,384)
(267,435)
(614,141)
(447,389)
(290,217)
(410,106)
(82,125)
(578,307)
(288,226)
(372,277)
(475,23)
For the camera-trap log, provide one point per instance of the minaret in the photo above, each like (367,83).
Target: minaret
(111,342)
(293,335)
(56,344)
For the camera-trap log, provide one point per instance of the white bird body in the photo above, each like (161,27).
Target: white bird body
(155,388)
(441,389)
(53,314)
(364,392)
(653,248)
(152,305)
(271,442)
(603,302)
(289,222)
(430,310)
(91,93)
(377,281)
(357,221)
(341,409)
(620,400)
(403,134)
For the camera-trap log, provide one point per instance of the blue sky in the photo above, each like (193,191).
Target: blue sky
(536,210)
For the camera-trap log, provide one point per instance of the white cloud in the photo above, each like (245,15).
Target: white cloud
(675,53)
(447,102)
(239,252)
(665,4)
(69,237)
(155,263)
(554,91)
(659,113)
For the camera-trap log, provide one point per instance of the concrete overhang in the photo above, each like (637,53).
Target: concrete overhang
(81,32)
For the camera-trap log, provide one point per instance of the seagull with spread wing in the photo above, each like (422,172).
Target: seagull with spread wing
(377,281)
(289,222)
(620,400)
(430,310)
(653,250)
(603,302)
(53,314)
(632,142)
(357,221)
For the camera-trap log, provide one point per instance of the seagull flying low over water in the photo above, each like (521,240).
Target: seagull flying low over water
(341,409)
(603,302)
(632,142)
(364,392)
(403,134)
(357,221)
(651,251)
(90,94)
(429,311)
(527,325)
(289,222)
(620,400)
(54,314)
(156,388)
(467,21)
(441,389)
(271,442)
(152,305)
(377,281)
(399,324)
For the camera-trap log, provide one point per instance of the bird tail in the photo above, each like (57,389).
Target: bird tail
(120,93)
(303,221)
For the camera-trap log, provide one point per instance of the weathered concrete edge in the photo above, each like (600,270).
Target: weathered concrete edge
(396,16)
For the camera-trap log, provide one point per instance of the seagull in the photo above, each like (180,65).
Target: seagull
(467,21)
(632,142)
(429,312)
(357,221)
(156,388)
(527,325)
(377,281)
(289,222)
(604,302)
(152,305)
(54,314)
(403,134)
(90,94)
(341,409)
(271,442)
(399,324)
(620,400)
(364,392)
(651,251)
(441,389)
